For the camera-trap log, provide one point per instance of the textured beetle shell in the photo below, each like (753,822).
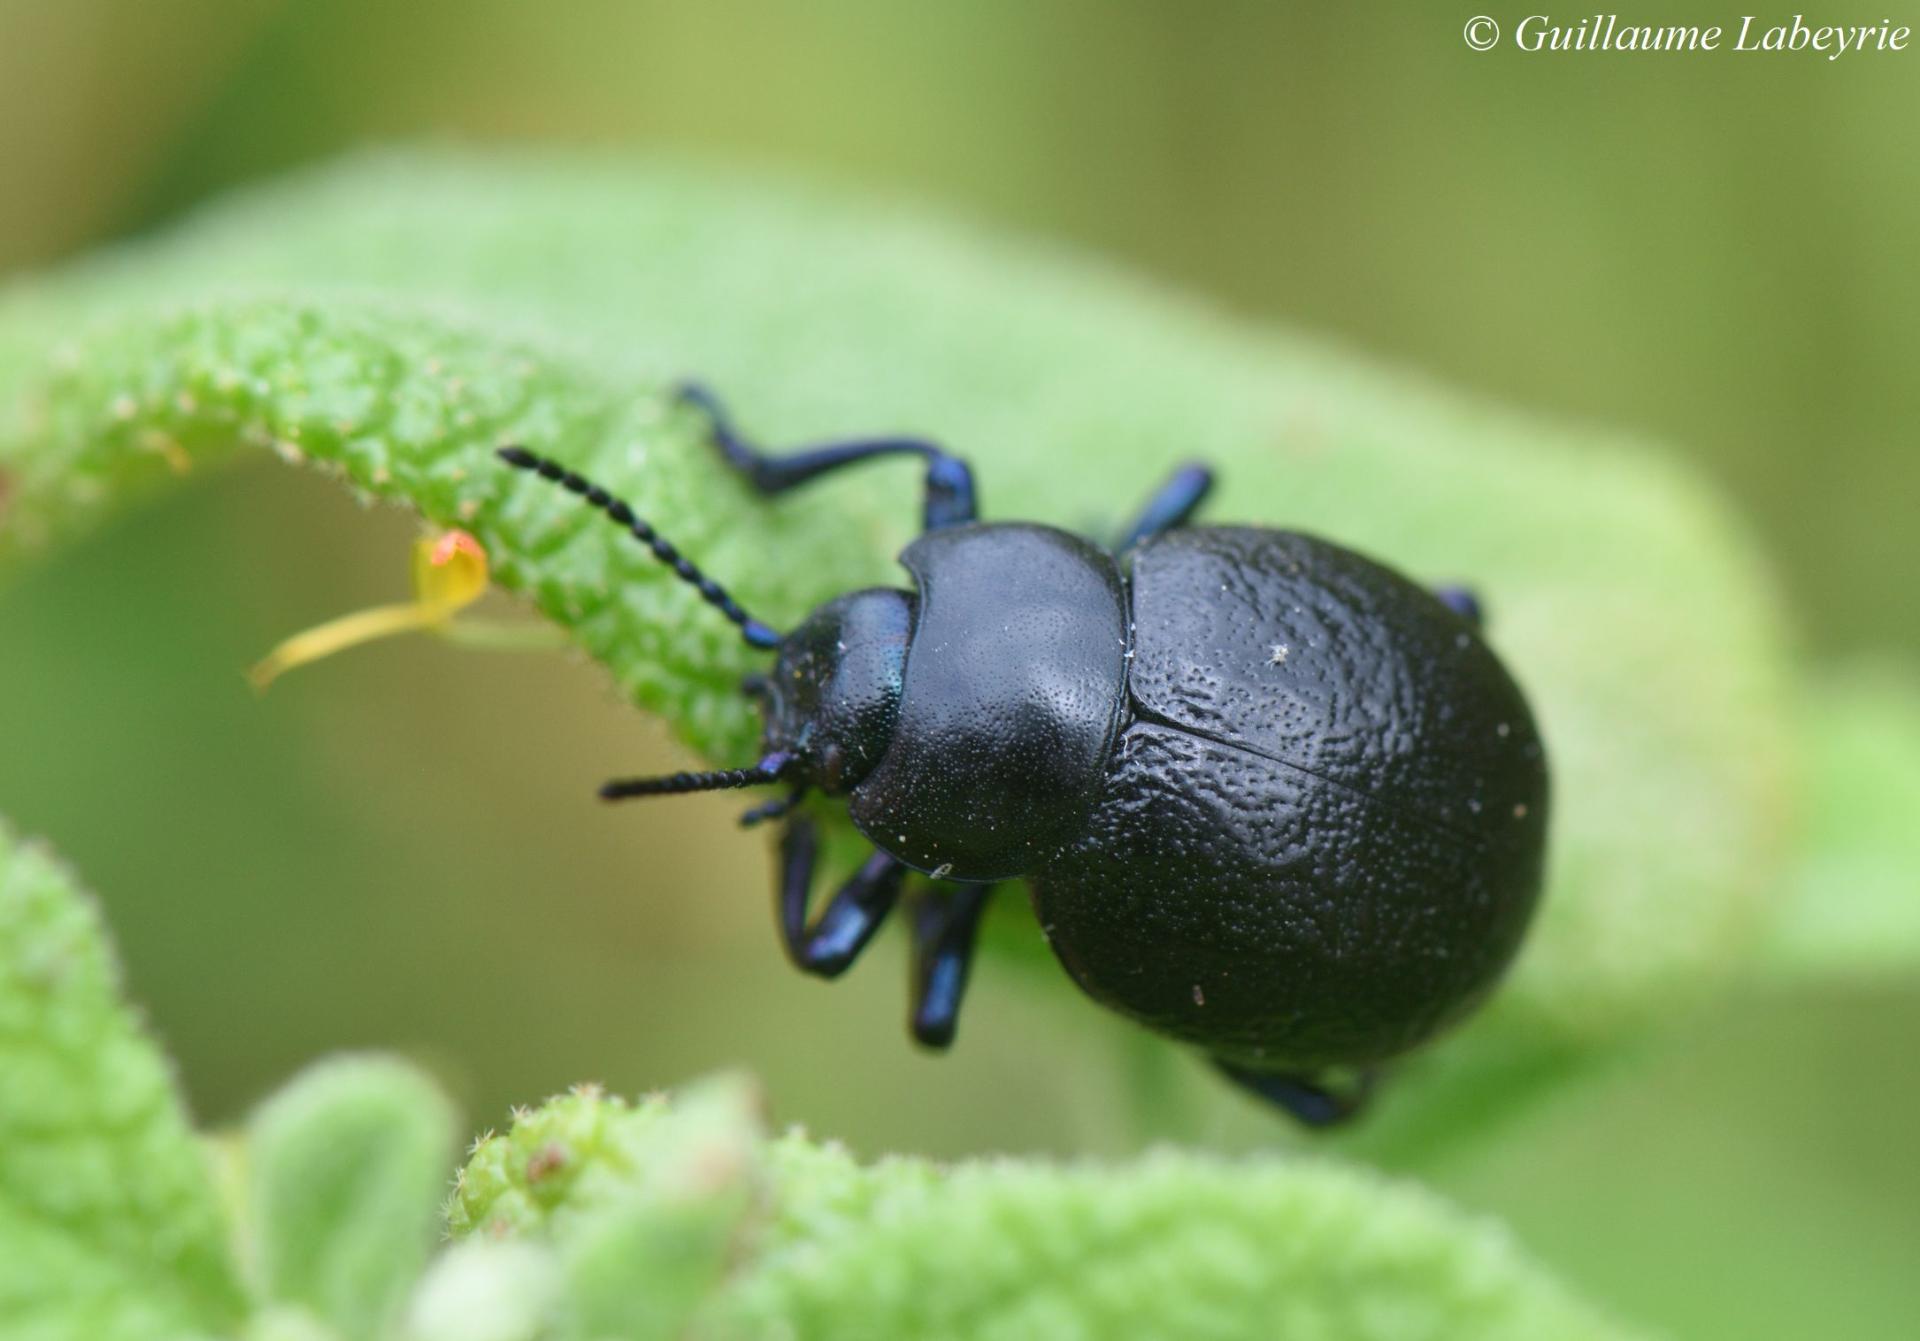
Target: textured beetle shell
(1320,834)
(1011,697)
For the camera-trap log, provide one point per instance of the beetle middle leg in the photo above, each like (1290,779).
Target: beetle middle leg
(827,945)
(1172,505)
(950,494)
(944,930)
(1310,1100)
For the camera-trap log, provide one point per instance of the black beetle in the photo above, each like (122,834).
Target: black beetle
(1271,798)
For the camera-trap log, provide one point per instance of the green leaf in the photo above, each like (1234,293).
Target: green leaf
(110,1228)
(393,319)
(1854,904)
(347,1167)
(647,1204)
(592,1219)
(483,1290)
(797,1240)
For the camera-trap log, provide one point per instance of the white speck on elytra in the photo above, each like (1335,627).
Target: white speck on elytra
(1199,997)
(1503,730)
(1278,655)
(942,871)
(1520,811)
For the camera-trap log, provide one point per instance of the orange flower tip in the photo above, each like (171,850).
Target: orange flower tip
(449,571)
(453,543)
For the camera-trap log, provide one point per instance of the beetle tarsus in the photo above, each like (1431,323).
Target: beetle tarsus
(777,808)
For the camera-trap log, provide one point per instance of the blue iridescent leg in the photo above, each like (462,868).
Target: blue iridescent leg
(828,945)
(850,918)
(1173,504)
(1463,602)
(950,497)
(944,927)
(1310,1101)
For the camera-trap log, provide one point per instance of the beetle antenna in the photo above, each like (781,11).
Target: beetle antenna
(769,769)
(756,633)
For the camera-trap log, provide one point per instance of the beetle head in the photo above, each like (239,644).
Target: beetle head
(833,698)
(834,694)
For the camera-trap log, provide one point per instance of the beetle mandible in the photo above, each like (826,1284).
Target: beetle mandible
(1271,798)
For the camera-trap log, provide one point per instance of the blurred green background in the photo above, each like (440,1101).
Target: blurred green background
(1717,252)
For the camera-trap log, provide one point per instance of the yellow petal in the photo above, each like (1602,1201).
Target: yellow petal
(449,572)
(336,635)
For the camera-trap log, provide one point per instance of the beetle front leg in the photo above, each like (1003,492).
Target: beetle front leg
(827,946)
(944,929)
(1309,1100)
(950,494)
(799,853)
(850,918)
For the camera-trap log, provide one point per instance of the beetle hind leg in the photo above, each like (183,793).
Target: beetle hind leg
(944,930)
(1309,1100)
(950,493)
